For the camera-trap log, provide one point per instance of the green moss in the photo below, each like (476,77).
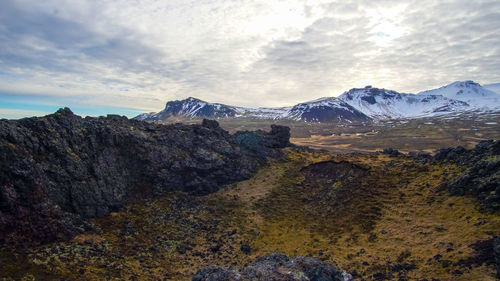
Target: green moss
(278,211)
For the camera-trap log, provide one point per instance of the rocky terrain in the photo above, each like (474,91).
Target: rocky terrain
(110,198)
(58,170)
(482,178)
(276,267)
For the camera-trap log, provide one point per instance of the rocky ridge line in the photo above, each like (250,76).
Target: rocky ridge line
(58,170)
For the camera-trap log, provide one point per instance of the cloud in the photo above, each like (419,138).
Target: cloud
(8,113)
(252,53)
(421,45)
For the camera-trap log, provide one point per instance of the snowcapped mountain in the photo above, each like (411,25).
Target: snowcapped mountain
(358,104)
(144,116)
(326,110)
(263,112)
(382,103)
(470,92)
(321,110)
(190,108)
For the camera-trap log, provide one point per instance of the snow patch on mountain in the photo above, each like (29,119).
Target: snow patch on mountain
(190,108)
(383,104)
(358,104)
(324,110)
(263,112)
(470,92)
(144,116)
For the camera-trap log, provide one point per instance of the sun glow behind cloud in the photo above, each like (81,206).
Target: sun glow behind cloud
(139,54)
(386,24)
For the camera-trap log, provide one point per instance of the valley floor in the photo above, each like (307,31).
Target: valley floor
(422,134)
(377,217)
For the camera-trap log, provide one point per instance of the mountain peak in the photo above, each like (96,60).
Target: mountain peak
(464,84)
(356,104)
(65,111)
(383,103)
(470,92)
(368,94)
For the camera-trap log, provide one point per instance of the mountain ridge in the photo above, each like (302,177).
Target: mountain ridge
(470,92)
(354,105)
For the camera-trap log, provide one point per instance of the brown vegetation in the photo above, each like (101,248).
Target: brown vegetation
(376,216)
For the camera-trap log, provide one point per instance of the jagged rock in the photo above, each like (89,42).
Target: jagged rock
(496,252)
(279,136)
(264,144)
(483,177)
(245,248)
(211,124)
(276,267)
(392,152)
(464,156)
(58,169)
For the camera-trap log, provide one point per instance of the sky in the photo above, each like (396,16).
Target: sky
(132,56)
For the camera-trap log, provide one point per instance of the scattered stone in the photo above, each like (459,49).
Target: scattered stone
(215,248)
(380,276)
(392,152)
(445,263)
(440,229)
(276,267)
(397,267)
(245,248)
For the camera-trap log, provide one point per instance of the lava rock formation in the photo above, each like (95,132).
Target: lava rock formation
(276,267)
(483,176)
(57,170)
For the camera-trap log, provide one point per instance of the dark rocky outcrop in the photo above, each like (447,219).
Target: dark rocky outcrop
(276,267)
(485,252)
(482,177)
(496,254)
(57,170)
(464,156)
(392,152)
(263,143)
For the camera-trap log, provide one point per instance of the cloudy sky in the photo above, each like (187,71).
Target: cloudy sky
(131,56)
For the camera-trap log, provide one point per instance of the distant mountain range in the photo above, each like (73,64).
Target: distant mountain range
(355,105)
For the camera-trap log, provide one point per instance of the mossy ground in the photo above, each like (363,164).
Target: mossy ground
(393,222)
